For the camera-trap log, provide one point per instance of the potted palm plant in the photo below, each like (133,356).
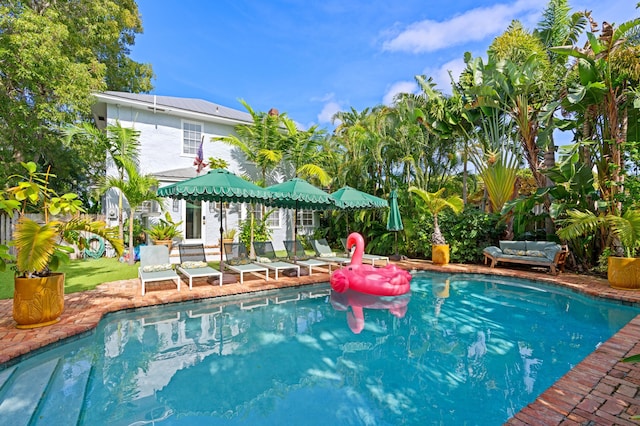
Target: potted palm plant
(165,231)
(43,245)
(622,233)
(435,202)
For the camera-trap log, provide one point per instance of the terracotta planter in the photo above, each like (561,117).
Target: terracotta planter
(167,243)
(624,272)
(440,254)
(38,302)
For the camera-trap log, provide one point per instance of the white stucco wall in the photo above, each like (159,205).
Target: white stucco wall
(161,150)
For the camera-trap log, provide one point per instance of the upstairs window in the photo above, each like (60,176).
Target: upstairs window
(191,137)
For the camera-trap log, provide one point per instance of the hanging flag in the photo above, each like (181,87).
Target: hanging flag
(199,161)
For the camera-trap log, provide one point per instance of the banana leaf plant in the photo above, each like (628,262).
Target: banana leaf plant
(42,246)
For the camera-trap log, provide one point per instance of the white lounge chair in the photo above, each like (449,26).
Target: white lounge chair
(193,263)
(238,261)
(295,253)
(373,258)
(325,252)
(266,256)
(155,266)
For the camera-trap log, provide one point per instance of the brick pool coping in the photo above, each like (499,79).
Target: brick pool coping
(600,390)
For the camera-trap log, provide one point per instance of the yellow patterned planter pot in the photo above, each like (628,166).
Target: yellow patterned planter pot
(38,302)
(440,254)
(624,272)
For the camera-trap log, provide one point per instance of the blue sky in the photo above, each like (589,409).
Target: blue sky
(311,59)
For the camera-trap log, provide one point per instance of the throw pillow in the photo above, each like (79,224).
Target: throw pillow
(194,264)
(261,259)
(536,253)
(332,254)
(157,268)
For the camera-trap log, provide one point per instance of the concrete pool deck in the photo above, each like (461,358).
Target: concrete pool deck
(600,390)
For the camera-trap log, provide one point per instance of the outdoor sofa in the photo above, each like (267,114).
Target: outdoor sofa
(534,253)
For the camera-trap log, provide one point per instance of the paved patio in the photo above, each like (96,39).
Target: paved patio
(598,391)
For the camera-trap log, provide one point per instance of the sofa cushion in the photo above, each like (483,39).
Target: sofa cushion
(513,245)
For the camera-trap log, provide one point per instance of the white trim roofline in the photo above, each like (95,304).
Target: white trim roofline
(181,107)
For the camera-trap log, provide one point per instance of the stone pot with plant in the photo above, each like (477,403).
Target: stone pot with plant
(435,202)
(43,245)
(622,234)
(164,231)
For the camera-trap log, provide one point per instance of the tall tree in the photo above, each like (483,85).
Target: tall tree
(260,141)
(54,55)
(302,149)
(122,144)
(607,68)
(137,189)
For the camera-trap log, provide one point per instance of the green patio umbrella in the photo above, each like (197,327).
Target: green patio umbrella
(348,199)
(394,221)
(297,194)
(217,185)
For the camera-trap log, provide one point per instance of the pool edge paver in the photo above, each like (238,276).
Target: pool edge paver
(598,390)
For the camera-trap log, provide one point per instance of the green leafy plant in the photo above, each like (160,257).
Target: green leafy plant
(229,234)
(261,232)
(165,229)
(43,246)
(624,229)
(434,202)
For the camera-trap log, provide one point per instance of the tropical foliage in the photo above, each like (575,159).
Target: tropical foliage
(490,142)
(55,55)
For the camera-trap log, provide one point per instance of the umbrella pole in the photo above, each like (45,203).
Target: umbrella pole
(221,233)
(396,256)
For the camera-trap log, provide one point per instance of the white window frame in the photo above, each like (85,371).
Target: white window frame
(191,135)
(273,221)
(304,217)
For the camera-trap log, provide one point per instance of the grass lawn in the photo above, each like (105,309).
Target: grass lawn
(81,275)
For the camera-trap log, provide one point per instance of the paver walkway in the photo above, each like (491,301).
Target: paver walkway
(600,390)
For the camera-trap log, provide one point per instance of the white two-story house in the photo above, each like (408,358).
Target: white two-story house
(171,130)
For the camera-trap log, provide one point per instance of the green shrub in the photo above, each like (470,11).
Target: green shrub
(467,234)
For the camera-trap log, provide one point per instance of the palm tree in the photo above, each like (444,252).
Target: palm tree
(435,202)
(136,189)
(122,144)
(303,150)
(260,141)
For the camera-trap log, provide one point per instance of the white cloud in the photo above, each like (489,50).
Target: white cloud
(441,76)
(328,111)
(399,87)
(473,25)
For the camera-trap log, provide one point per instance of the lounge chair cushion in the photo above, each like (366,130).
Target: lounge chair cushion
(194,264)
(157,268)
(330,254)
(244,261)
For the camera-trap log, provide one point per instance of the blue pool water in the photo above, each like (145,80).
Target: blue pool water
(460,349)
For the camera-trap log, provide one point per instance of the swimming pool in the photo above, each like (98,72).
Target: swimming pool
(459,349)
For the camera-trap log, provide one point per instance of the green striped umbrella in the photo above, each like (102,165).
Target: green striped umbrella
(348,198)
(352,199)
(297,194)
(217,185)
(394,221)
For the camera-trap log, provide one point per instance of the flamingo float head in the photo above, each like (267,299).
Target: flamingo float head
(356,239)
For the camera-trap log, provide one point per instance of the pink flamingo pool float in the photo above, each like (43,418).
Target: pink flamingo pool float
(397,305)
(387,281)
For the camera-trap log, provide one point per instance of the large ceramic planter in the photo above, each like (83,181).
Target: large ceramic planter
(167,243)
(39,301)
(624,272)
(440,254)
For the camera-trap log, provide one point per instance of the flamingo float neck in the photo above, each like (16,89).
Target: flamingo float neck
(356,239)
